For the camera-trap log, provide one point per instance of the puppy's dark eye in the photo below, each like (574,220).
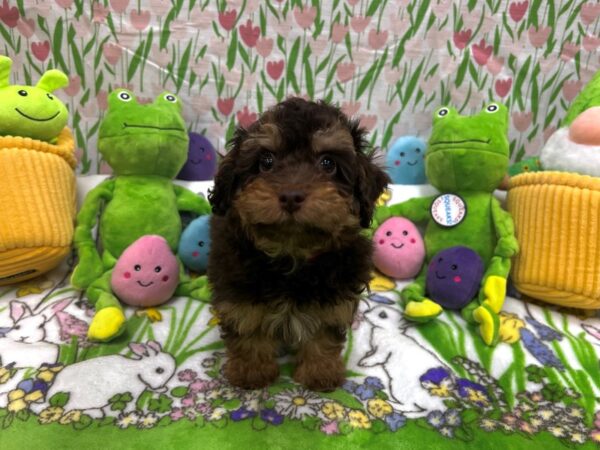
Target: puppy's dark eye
(328,165)
(266,162)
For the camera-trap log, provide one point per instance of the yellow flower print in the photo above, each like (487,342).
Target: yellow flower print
(70,417)
(16,394)
(34,396)
(381,283)
(384,198)
(333,411)
(16,405)
(214,319)
(34,287)
(510,324)
(47,373)
(359,419)
(153,314)
(6,374)
(50,414)
(379,408)
(477,396)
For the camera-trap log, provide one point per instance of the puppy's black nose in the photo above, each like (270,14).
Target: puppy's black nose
(291,201)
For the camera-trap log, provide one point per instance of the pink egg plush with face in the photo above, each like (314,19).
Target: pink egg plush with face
(399,248)
(147,273)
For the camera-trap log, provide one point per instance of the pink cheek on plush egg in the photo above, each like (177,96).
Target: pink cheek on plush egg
(381,242)
(195,254)
(165,278)
(208,157)
(397,162)
(413,241)
(457,279)
(127,275)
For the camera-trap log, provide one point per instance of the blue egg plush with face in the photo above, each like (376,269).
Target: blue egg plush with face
(195,244)
(405,161)
(454,277)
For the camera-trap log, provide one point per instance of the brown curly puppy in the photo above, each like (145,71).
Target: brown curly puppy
(288,261)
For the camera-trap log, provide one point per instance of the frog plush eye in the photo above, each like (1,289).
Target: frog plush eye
(492,108)
(170,98)
(442,112)
(124,96)
(22,93)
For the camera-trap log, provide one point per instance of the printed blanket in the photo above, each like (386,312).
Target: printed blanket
(160,384)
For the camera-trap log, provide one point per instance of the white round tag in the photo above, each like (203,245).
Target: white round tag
(448,210)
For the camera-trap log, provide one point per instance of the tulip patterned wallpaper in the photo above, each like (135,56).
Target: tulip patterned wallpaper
(389,63)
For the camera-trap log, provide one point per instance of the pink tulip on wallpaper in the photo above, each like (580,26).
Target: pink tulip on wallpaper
(345,71)
(227,19)
(112,52)
(318,45)
(119,6)
(391,76)
(350,108)
(398,25)
(180,29)
(275,69)
(74,86)
(249,33)
(462,38)
(436,39)
(442,8)
(264,46)
(100,12)
(40,50)
(160,57)
(368,121)
(494,65)
(590,43)
(66,4)
(225,105)
(246,118)
(9,15)
(338,32)
(502,87)
(305,17)
(102,100)
(589,12)
(538,36)
(139,20)
(83,26)
(569,51)
(377,39)
(521,120)
(26,27)
(517,10)
(570,89)
(359,23)
(481,52)
(160,8)
(362,55)
(413,47)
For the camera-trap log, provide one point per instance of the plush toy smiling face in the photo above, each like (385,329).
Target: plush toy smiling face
(405,161)
(201,163)
(468,153)
(148,139)
(454,276)
(399,248)
(147,272)
(194,245)
(32,111)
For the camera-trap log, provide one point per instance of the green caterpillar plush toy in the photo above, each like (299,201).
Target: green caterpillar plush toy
(466,160)
(146,146)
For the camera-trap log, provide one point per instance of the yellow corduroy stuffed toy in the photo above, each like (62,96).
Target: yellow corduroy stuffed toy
(37,179)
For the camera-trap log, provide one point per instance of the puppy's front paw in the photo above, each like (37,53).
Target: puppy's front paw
(250,374)
(324,376)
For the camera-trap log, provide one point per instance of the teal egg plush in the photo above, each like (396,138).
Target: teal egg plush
(195,244)
(405,161)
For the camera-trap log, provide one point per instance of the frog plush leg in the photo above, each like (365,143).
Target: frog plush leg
(89,267)
(196,288)
(109,320)
(417,307)
(190,202)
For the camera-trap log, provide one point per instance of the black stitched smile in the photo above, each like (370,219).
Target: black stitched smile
(129,125)
(145,285)
(34,119)
(412,163)
(397,246)
(438,277)
(464,141)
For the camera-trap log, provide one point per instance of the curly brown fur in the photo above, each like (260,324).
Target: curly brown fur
(288,261)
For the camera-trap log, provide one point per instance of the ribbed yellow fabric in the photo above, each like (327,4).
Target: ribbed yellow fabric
(557,220)
(37,205)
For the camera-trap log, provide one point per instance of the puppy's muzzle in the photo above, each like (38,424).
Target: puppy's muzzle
(291,201)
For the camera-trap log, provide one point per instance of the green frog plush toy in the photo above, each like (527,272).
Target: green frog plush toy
(146,146)
(466,159)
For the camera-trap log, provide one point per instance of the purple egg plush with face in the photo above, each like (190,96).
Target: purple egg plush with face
(201,163)
(454,277)
(147,273)
(399,248)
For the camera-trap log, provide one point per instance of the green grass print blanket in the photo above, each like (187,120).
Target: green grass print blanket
(409,386)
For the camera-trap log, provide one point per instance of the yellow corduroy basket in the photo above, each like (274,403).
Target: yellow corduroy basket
(557,220)
(37,205)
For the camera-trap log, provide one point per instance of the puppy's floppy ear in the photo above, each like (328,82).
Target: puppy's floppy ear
(221,196)
(370,179)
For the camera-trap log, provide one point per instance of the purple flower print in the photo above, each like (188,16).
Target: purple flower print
(436,419)
(365,392)
(435,375)
(350,386)
(374,382)
(474,392)
(188,400)
(176,414)
(544,332)
(204,409)
(395,421)
(271,416)
(30,385)
(539,350)
(200,385)
(242,414)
